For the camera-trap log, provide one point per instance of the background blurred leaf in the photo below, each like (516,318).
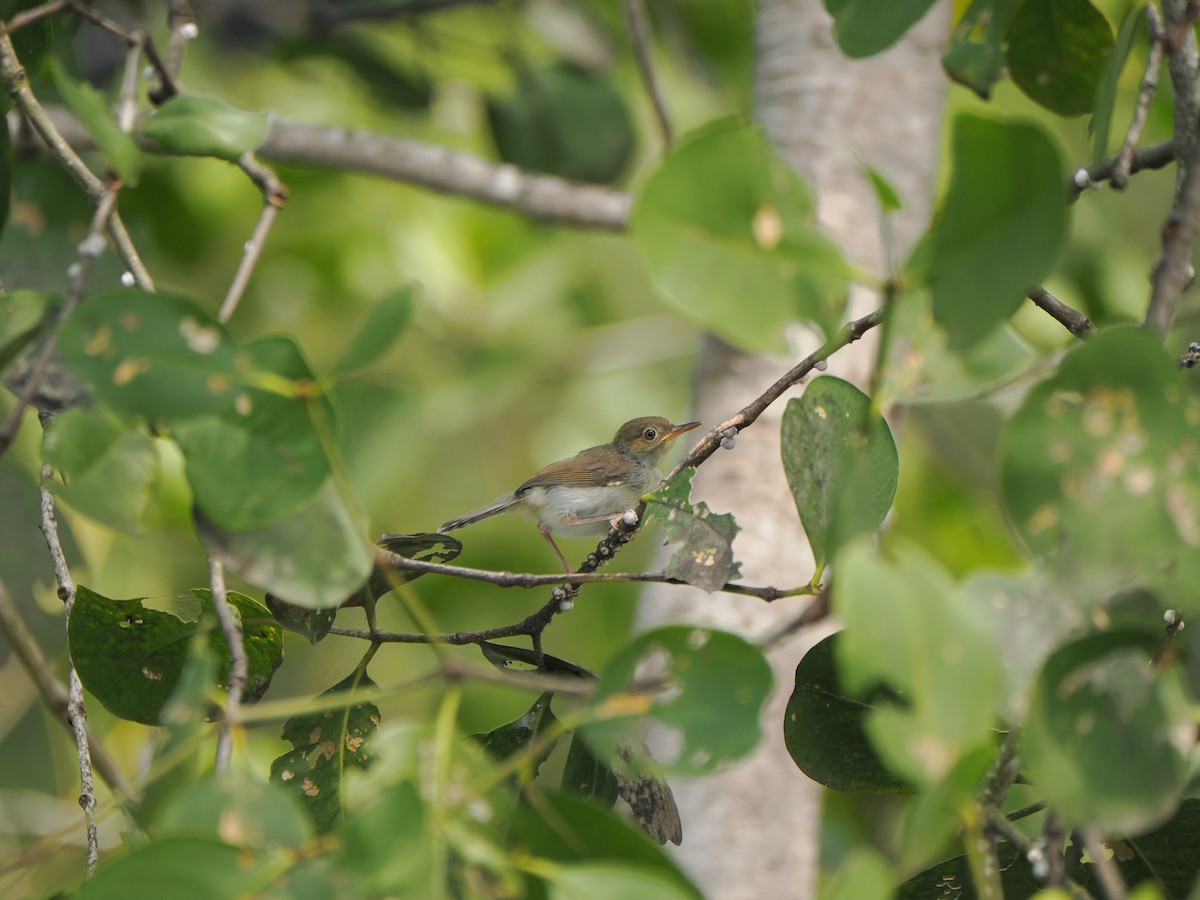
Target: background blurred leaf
(204,126)
(1133,25)
(238,807)
(975,57)
(1056,53)
(907,627)
(215,869)
(1000,228)
(109,470)
(866,27)
(388,320)
(1099,715)
(1100,471)
(716,684)
(565,121)
(745,257)
(22,313)
(315,557)
(95,112)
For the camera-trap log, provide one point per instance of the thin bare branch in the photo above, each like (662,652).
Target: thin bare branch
(1173,272)
(238,664)
(54,693)
(1156,156)
(274,196)
(1069,317)
(35,15)
(527,580)
(76,708)
(1154,26)
(638,24)
(183,31)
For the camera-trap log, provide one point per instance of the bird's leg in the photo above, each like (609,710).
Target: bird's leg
(545,531)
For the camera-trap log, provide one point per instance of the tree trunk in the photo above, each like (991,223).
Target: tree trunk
(753,830)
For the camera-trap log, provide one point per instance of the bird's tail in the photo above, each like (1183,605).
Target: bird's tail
(482,513)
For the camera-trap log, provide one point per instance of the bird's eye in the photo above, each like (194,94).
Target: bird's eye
(649,434)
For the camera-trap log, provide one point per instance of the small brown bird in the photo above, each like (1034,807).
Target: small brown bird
(587,493)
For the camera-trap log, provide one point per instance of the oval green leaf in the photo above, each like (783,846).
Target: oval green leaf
(866,27)
(204,126)
(841,464)
(743,256)
(711,688)
(1000,228)
(1057,50)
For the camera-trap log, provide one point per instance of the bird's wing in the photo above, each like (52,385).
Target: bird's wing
(585,470)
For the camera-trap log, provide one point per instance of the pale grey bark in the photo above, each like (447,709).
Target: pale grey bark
(752,831)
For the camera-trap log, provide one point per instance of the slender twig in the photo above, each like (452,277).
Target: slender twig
(76,707)
(238,665)
(1069,317)
(1154,26)
(16,82)
(274,196)
(183,31)
(1173,272)
(638,24)
(1156,156)
(528,580)
(813,613)
(54,693)
(1106,870)
(1000,824)
(1026,811)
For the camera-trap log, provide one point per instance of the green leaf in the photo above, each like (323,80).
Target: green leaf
(237,807)
(251,421)
(551,831)
(706,557)
(865,872)
(841,464)
(204,126)
(1132,25)
(1100,470)
(109,470)
(93,110)
(183,868)
(975,57)
(716,686)
(593,880)
(1000,228)
(156,355)
(885,192)
(1099,715)
(390,847)
(585,775)
(23,314)
(908,628)
(325,744)
(514,737)
(387,322)
(504,657)
(315,557)
(866,27)
(937,813)
(564,120)
(131,656)
(823,729)
(743,257)
(1057,51)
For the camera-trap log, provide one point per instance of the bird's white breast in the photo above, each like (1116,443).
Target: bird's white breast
(554,506)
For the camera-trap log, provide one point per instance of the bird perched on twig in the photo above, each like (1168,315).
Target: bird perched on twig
(588,493)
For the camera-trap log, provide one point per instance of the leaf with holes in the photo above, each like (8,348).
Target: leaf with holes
(325,743)
(1100,470)
(131,655)
(705,558)
(706,686)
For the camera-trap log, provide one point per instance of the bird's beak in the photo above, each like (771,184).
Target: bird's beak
(677,430)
